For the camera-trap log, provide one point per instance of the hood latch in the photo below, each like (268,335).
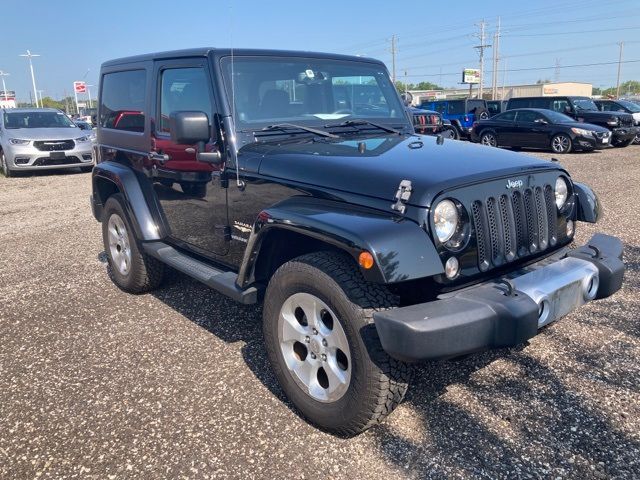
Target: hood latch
(402,196)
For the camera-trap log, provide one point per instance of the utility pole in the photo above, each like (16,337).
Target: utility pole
(30,55)
(556,75)
(496,59)
(619,69)
(504,78)
(394,51)
(40,93)
(480,48)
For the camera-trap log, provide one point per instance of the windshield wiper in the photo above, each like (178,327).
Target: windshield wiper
(356,123)
(290,126)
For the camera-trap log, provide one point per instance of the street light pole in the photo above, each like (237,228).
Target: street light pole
(41,102)
(30,55)
(4,87)
(89,94)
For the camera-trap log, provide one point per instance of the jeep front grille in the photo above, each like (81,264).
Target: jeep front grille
(54,145)
(514,225)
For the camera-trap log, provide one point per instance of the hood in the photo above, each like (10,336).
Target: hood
(377,168)
(598,115)
(45,133)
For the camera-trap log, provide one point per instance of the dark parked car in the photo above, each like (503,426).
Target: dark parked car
(496,106)
(369,246)
(538,128)
(583,109)
(461,113)
(429,122)
(625,106)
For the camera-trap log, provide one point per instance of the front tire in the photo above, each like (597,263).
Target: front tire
(129,268)
(323,346)
(5,167)
(561,143)
(489,139)
(455,135)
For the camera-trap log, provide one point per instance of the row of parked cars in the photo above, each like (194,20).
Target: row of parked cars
(560,123)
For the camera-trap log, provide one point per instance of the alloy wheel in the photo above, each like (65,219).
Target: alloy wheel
(314,347)
(119,244)
(489,139)
(560,143)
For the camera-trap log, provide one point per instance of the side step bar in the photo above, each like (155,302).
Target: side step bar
(223,282)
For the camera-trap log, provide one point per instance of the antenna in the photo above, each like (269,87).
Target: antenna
(239,183)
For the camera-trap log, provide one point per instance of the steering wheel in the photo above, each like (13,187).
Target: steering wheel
(342,111)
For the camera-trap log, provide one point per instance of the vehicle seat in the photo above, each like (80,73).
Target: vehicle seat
(275,103)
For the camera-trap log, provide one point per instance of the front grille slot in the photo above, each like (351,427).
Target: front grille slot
(54,145)
(514,225)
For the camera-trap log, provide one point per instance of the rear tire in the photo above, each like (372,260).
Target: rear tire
(455,135)
(369,384)
(129,268)
(198,190)
(489,139)
(561,143)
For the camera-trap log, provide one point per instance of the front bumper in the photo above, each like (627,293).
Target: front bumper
(622,134)
(30,158)
(507,311)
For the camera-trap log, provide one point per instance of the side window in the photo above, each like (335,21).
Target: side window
(560,105)
(456,108)
(441,108)
(614,107)
(122,100)
(508,116)
(527,116)
(518,103)
(183,89)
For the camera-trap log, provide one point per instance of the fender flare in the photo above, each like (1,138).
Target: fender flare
(588,205)
(402,250)
(147,222)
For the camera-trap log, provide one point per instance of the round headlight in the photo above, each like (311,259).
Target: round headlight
(445,219)
(562,191)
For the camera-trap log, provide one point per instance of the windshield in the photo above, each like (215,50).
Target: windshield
(37,120)
(632,107)
(557,117)
(309,91)
(585,104)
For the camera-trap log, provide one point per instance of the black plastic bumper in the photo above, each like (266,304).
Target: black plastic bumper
(622,134)
(484,316)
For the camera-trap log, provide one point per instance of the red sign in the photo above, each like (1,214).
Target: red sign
(80,87)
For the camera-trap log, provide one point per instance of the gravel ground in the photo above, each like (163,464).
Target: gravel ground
(96,383)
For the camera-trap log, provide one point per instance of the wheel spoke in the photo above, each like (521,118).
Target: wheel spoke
(309,305)
(291,329)
(335,374)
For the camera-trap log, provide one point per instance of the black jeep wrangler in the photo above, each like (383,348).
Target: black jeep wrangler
(296,179)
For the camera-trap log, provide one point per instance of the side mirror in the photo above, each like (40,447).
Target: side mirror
(188,128)
(541,121)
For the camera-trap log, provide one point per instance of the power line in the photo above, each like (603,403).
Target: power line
(528,69)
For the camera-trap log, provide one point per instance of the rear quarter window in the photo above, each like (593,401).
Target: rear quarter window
(122,100)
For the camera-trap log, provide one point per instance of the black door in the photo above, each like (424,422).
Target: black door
(505,128)
(189,191)
(530,130)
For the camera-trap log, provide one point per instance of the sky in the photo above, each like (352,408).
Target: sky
(435,38)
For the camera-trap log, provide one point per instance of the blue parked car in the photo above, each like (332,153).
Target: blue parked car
(462,113)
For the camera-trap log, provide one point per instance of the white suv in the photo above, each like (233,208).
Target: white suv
(40,139)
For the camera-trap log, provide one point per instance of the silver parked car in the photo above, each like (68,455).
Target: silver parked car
(42,138)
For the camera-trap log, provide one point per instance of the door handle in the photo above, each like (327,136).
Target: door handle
(158,157)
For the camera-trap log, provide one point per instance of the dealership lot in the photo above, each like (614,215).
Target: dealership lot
(97,383)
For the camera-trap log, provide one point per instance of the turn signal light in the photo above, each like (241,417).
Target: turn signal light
(365,259)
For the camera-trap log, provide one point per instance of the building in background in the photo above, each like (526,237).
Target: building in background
(7,99)
(509,91)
